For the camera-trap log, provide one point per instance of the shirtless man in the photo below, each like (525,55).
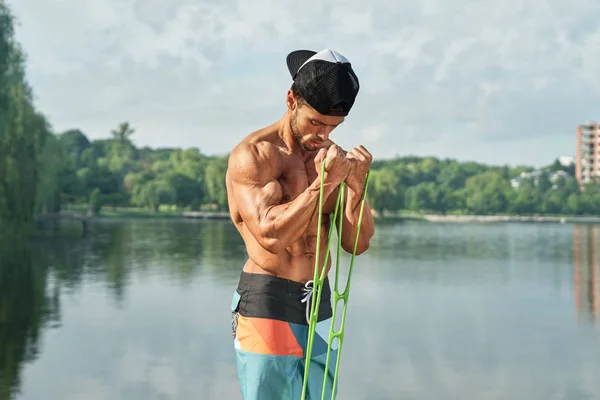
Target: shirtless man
(273,182)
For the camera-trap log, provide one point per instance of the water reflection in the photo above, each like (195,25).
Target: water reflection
(585,265)
(27,305)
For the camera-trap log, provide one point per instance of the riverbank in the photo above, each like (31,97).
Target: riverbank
(224,215)
(497,218)
(132,212)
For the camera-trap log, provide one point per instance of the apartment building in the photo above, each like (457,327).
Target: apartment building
(586,156)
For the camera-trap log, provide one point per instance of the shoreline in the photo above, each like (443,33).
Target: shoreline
(435,218)
(502,218)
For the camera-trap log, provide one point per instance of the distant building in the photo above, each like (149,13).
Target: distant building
(535,177)
(566,161)
(586,156)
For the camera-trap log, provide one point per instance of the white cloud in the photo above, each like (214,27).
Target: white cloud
(184,72)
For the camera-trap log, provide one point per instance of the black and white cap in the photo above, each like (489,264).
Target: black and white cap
(325,79)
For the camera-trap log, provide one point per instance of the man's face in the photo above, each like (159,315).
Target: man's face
(310,128)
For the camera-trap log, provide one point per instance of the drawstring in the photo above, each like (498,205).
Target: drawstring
(308,291)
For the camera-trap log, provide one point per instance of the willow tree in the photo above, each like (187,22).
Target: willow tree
(22,135)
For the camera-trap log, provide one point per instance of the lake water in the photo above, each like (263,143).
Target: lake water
(140,310)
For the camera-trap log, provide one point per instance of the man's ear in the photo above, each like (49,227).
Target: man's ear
(291,101)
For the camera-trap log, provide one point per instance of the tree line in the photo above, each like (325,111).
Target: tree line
(431,185)
(42,171)
(114,172)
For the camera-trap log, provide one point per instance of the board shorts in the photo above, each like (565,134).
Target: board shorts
(270,334)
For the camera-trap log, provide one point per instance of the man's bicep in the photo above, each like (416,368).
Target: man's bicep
(253,200)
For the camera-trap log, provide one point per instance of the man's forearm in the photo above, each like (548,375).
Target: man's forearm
(283,224)
(350,223)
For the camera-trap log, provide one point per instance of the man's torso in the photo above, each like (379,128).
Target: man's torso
(294,174)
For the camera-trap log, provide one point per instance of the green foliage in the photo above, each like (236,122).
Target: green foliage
(113,172)
(53,165)
(24,135)
(95,202)
(430,185)
(187,179)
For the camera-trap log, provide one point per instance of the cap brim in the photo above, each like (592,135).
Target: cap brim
(296,58)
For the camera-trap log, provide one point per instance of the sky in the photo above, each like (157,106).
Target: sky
(495,82)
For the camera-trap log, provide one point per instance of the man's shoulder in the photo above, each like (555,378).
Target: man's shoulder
(254,156)
(253,151)
(260,142)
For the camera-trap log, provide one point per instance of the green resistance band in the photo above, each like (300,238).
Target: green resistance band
(318,285)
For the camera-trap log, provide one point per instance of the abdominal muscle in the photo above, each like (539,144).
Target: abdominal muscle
(296,263)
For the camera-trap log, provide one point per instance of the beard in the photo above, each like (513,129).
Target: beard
(296,132)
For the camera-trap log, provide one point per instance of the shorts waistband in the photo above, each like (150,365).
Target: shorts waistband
(268,296)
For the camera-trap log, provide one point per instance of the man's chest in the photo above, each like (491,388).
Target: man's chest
(296,175)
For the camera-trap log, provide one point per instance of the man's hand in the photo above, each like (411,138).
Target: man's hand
(337,165)
(360,162)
